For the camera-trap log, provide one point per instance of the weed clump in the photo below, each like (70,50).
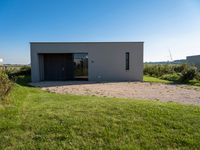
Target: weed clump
(5,85)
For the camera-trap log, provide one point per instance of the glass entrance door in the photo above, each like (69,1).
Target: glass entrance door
(80,66)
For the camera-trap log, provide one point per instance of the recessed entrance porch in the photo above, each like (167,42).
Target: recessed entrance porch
(63,67)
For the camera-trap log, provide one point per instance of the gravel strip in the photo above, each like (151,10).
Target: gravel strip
(134,90)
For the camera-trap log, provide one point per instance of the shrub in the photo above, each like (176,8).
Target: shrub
(189,73)
(23,80)
(158,70)
(180,68)
(182,73)
(171,77)
(23,71)
(198,76)
(5,85)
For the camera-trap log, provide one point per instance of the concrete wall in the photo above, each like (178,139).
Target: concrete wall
(194,60)
(106,60)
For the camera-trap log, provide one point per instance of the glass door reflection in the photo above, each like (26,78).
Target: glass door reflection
(80,66)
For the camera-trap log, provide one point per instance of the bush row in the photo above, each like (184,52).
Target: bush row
(14,73)
(179,73)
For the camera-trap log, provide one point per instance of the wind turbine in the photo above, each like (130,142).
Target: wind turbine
(170,54)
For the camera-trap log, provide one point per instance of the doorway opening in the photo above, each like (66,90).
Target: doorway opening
(63,67)
(80,66)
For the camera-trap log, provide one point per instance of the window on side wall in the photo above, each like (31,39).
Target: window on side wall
(127,61)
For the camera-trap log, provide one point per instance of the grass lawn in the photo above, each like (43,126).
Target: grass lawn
(156,80)
(35,119)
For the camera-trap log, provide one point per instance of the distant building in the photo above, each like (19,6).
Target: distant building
(194,60)
(180,61)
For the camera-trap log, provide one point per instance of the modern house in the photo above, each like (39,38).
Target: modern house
(194,60)
(93,61)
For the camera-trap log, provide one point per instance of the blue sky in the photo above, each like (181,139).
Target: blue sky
(162,24)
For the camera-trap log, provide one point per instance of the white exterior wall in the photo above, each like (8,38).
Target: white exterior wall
(106,60)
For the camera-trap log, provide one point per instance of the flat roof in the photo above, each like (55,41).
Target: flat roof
(194,56)
(80,42)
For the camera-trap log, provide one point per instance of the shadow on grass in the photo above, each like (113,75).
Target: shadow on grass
(23,81)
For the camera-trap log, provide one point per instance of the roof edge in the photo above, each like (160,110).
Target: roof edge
(193,56)
(81,42)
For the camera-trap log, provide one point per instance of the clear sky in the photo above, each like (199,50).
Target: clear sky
(162,24)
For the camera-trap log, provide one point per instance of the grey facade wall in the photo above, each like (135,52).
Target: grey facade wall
(194,60)
(106,60)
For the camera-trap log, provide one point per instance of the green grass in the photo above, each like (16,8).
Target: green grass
(34,119)
(156,80)
(194,82)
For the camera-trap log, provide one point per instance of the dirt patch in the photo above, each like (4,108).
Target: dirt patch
(134,90)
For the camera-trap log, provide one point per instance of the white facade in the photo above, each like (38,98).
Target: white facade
(106,60)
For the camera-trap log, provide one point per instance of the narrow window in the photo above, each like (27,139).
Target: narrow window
(127,60)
